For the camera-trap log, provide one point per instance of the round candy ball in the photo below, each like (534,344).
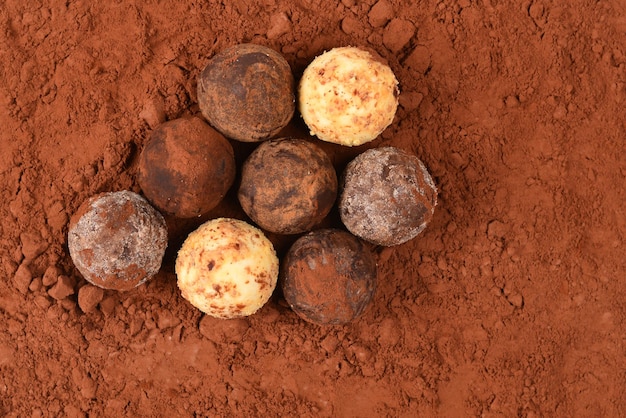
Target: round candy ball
(117,240)
(247,92)
(347,96)
(288,186)
(186,167)
(328,277)
(227,268)
(387,196)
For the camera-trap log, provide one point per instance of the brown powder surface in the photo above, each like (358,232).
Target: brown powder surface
(288,185)
(512,302)
(328,277)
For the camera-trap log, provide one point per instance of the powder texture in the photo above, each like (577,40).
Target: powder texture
(512,302)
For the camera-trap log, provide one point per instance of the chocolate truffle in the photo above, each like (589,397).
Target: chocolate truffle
(247,92)
(347,96)
(288,185)
(328,277)
(227,268)
(117,240)
(387,196)
(186,167)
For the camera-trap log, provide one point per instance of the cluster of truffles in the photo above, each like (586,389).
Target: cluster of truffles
(229,268)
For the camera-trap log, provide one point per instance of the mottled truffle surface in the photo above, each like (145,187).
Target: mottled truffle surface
(387,196)
(117,240)
(328,277)
(227,268)
(247,92)
(347,97)
(288,185)
(186,167)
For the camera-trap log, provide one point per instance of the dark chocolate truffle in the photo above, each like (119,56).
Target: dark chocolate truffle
(328,277)
(186,167)
(117,240)
(288,185)
(247,92)
(387,196)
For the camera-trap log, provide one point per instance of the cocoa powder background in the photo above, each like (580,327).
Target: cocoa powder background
(511,303)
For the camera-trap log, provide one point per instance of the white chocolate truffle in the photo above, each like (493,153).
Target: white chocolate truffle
(227,268)
(347,97)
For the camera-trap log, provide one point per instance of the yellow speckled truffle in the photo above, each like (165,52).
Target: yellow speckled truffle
(347,97)
(227,268)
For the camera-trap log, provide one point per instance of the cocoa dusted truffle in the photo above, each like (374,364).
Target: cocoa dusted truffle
(186,167)
(288,185)
(117,240)
(328,277)
(247,92)
(387,196)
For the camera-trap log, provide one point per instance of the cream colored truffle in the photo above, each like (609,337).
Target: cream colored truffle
(347,97)
(227,268)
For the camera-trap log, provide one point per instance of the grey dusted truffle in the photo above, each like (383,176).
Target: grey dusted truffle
(117,240)
(387,196)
